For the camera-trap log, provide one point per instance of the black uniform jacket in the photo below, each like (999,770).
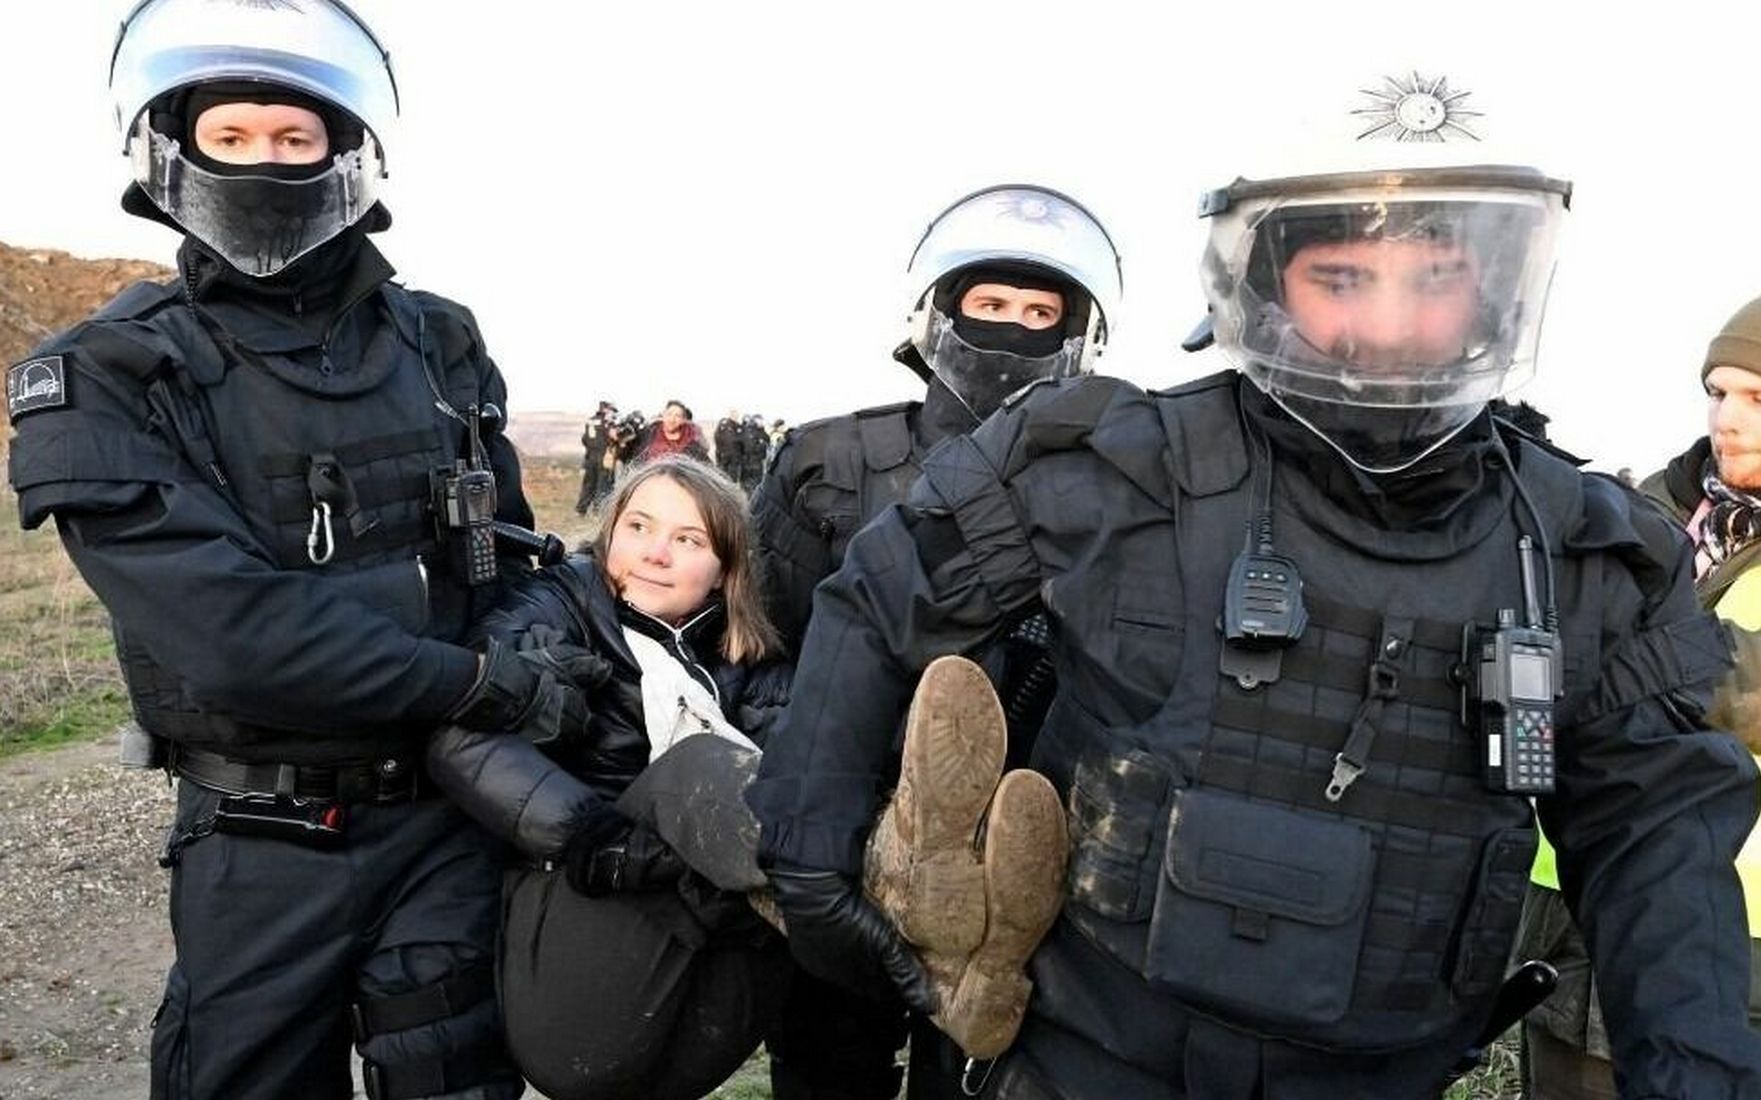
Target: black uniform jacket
(1071,500)
(320,668)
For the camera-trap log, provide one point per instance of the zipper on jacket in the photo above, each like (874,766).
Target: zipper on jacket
(679,650)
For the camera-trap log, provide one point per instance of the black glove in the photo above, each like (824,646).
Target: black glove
(536,693)
(837,934)
(619,856)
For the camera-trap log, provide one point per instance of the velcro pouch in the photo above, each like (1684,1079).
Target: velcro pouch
(1260,910)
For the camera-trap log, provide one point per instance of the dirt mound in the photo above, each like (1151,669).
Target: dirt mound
(43,291)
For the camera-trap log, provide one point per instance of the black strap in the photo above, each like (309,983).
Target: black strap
(328,480)
(359,453)
(432,1077)
(393,779)
(1383,688)
(1459,812)
(1347,674)
(1364,623)
(424,1005)
(1250,712)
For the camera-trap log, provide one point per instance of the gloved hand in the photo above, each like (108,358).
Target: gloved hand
(837,934)
(619,856)
(536,693)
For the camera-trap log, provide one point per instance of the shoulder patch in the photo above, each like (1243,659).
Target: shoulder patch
(36,384)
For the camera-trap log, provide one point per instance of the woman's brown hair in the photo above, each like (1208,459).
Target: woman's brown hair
(749,635)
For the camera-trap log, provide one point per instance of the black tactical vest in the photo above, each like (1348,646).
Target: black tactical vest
(1207,856)
(868,460)
(281,451)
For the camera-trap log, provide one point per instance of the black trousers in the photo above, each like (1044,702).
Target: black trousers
(657,996)
(650,996)
(277,941)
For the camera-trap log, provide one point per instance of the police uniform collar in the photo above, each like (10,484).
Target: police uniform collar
(282,314)
(942,415)
(1434,509)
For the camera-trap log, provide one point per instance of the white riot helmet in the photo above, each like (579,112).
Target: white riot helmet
(1385,299)
(260,218)
(1023,235)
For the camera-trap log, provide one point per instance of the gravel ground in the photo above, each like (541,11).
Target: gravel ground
(84,942)
(84,938)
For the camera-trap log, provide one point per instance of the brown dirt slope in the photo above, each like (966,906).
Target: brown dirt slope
(43,291)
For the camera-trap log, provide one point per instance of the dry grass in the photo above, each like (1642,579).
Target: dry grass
(1499,1078)
(58,675)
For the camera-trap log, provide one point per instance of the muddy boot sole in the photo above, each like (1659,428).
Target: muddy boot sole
(1026,848)
(923,864)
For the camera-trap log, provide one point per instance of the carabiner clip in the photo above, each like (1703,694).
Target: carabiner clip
(966,1085)
(320,520)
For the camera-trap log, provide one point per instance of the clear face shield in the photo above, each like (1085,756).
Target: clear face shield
(258,222)
(1384,314)
(983,377)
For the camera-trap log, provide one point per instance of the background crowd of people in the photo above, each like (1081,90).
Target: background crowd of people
(613,440)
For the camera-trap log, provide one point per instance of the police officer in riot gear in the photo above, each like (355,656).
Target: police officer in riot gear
(1322,632)
(1008,285)
(279,472)
(1050,284)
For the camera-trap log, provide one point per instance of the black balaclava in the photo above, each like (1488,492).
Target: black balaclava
(320,270)
(184,107)
(1009,336)
(174,115)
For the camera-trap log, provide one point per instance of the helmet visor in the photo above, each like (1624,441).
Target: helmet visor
(257,223)
(1386,299)
(982,378)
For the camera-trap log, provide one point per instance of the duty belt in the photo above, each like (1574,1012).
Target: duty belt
(391,779)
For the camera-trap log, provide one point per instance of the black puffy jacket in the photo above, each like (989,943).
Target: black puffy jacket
(537,799)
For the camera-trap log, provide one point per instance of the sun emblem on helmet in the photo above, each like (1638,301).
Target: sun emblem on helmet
(1415,108)
(1033,208)
(269,5)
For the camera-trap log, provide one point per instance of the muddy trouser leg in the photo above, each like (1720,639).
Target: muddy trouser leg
(426,1019)
(694,797)
(270,939)
(629,996)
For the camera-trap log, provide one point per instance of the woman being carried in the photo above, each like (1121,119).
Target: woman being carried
(622,972)
(634,963)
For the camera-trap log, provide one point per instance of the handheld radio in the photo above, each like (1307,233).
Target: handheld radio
(1512,679)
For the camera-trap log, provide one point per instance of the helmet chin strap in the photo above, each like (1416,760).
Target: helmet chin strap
(1375,469)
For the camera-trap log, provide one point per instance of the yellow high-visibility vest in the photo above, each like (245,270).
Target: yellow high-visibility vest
(1740,604)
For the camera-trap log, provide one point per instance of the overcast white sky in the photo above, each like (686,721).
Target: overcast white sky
(716,201)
